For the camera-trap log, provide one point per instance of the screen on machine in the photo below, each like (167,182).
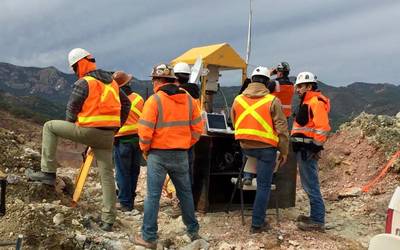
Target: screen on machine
(216,121)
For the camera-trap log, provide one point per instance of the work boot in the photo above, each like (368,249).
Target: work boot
(123,208)
(43,177)
(139,241)
(194,236)
(311,226)
(303,218)
(106,226)
(265,228)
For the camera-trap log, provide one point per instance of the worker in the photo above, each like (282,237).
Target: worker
(309,132)
(127,154)
(95,110)
(170,124)
(182,72)
(282,87)
(245,84)
(261,128)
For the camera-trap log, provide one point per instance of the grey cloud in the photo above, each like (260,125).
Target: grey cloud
(341,41)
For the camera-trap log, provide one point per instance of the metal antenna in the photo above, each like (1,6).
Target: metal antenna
(249,35)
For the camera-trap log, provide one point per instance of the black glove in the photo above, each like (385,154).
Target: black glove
(302,115)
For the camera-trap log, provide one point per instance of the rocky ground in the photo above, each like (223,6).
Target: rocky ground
(352,157)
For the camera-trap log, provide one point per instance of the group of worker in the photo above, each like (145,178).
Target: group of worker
(105,114)
(260,115)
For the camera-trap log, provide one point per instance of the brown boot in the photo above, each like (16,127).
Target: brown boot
(311,226)
(303,218)
(139,241)
(264,228)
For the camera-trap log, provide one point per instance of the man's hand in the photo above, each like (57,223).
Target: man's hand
(145,155)
(272,71)
(282,160)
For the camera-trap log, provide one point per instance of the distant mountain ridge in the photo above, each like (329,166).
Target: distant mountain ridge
(43,93)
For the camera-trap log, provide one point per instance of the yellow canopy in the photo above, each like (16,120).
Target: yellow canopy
(222,55)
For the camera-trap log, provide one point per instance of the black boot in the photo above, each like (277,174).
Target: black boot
(45,178)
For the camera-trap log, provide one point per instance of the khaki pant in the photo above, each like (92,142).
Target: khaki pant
(101,142)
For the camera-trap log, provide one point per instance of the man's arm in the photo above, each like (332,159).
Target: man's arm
(196,123)
(125,106)
(321,122)
(233,113)
(147,124)
(281,126)
(75,103)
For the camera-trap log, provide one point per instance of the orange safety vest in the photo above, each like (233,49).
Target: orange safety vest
(169,124)
(102,107)
(285,95)
(317,126)
(253,119)
(130,126)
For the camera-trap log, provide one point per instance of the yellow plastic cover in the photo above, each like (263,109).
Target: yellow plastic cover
(222,55)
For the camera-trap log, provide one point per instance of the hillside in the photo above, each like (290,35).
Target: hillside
(346,102)
(39,94)
(42,93)
(45,217)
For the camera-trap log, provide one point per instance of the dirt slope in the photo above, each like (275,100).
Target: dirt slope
(44,216)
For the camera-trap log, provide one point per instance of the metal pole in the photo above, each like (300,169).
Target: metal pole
(249,35)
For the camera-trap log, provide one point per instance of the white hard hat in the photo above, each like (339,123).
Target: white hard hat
(76,54)
(261,71)
(182,67)
(306,77)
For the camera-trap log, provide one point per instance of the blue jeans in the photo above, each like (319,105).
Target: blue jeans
(127,170)
(308,169)
(190,160)
(266,158)
(175,164)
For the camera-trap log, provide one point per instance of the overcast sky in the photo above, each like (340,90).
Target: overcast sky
(341,41)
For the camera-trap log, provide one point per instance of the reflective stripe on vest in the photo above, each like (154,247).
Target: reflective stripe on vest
(160,121)
(129,127)
(98,118)
(268,132)
(110,116)
(306,129)
(173,122)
